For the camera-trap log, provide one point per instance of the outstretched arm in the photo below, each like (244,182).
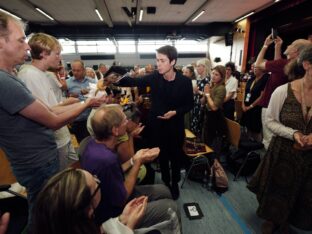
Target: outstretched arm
(260,62)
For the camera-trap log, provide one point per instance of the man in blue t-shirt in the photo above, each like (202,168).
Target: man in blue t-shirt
(78,86)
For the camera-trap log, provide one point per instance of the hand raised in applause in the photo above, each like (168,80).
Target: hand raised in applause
(135,133)
(133,212)
(147,155)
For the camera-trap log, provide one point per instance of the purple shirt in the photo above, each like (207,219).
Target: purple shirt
(103,162)
(278,78)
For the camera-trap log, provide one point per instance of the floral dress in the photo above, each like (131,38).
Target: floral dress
(283,180)
(196,113)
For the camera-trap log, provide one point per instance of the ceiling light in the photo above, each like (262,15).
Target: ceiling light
(98,14)
(245,16)
(141,15)
(196,17)
(45,14)
(10,14)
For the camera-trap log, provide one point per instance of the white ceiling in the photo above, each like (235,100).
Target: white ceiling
(80,13)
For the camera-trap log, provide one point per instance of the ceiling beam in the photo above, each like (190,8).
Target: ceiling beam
(92,32)
(103,9)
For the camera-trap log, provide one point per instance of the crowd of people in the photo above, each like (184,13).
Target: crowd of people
(125,120)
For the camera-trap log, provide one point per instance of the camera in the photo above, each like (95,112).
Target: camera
(273,33)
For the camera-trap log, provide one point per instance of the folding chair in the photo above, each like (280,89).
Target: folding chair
(196,158)
(16,205)
(248,146)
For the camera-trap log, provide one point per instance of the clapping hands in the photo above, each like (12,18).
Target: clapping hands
(147,155)
(135,133)
(133,212)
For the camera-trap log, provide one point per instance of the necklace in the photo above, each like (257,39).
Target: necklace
(307,114)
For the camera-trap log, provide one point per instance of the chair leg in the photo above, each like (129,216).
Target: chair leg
(241,167)
(187,173)
(195,161)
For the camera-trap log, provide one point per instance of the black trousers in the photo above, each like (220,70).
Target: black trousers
(168,135)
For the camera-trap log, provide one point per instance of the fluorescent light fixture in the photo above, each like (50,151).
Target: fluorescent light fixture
(10,14)
(141,15)
(45,14)
(196,17)
(99,15)
(245,16)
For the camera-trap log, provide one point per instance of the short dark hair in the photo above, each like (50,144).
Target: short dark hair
(230,65)
(170,51)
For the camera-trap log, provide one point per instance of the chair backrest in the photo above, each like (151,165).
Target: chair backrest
(82,146)
(238,109)
(6,175)
(233,132)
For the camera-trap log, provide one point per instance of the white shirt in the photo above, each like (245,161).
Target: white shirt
(56,86)
(39,84)
(114,226)
(272,119)
(231,86)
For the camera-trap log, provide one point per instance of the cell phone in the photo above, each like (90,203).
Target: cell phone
(273,33)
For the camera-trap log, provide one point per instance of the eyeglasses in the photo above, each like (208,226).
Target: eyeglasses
(96,179)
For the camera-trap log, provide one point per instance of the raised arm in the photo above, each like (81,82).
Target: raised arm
(260,62)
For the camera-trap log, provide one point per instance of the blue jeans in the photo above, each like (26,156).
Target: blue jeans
(34,179)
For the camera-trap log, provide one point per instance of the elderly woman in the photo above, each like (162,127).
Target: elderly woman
(251,118)
(283,180)
(203,67)
(212,101)
(66,205)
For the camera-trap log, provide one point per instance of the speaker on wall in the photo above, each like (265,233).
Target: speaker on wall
(228,39)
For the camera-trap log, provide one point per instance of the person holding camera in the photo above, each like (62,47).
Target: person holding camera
(276,67)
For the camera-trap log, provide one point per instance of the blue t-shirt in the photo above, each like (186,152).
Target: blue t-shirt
(75,86)
(103,162)
(25,142)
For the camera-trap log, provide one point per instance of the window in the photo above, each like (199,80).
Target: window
(151,45)
(126,46)
(191,46)
(68,46)
(96,47)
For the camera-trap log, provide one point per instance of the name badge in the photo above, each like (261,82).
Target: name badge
(247,97)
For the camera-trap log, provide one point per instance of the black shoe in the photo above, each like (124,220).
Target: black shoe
(175,192)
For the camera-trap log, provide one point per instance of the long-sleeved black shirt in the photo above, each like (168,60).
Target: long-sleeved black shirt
(176,95)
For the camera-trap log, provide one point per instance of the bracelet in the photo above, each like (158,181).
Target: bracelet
(265,46)
(131,161)
(207,95)
(252,106)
